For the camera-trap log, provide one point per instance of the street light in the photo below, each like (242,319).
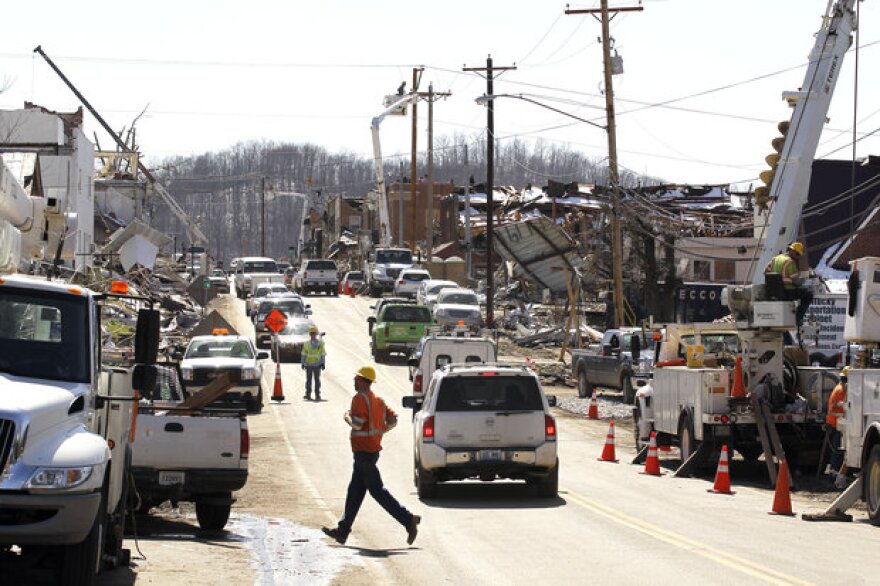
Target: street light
(485,99)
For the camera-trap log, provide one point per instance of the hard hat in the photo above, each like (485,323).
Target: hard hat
(845,371)
(367,372)
(313,330)
(797,247)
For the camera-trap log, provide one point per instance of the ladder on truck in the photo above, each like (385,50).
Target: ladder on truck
(774,453)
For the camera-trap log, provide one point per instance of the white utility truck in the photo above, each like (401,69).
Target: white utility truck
(384,266)
(251,271)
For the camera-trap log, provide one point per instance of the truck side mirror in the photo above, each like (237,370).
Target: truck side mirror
(551,400)
(146,336)
(635,347)
(371,322)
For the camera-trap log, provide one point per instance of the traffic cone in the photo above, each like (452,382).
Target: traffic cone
(739,389)
(782,497)
(352,292)
(593,412)
(608,454)
(346,291)
(652,464)
(722,475)
(277,392)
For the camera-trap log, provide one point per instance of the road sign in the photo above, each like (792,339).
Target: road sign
(275,321)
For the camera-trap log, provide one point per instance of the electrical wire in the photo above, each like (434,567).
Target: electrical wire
(542,39)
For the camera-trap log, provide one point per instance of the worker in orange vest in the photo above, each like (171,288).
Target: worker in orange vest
(836,410)
(369,418)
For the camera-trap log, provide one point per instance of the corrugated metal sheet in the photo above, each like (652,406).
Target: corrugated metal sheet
(541,250)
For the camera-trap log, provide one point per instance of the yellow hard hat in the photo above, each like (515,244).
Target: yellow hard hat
(313,330)
(845,371)
(797,247)
(367,372)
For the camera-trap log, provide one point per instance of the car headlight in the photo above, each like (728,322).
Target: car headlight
(59,478)
(248,373)
(186,373)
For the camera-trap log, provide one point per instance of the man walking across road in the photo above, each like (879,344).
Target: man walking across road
(786,265)
(313,357)
(369,419)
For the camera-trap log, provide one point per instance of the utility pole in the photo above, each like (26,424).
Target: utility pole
(613,175)
(417,75)
(431,96)
(490,180)
(263,218)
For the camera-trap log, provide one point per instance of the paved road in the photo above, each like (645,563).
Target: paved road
(609,523)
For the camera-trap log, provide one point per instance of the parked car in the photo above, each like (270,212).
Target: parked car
(218,280)
(353,280)
(382,302)
(428,291)
(614,367)
(398,328)
(486,422)
(261,293)
(458,307)
(209,356)
(409,280)
(290,305)
(291,339)
(317,275)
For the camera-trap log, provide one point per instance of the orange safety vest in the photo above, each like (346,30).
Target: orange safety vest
(370,418)
(838,395)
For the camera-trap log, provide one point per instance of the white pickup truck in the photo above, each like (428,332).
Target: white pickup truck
(252,270)
(180,454)
(317,274)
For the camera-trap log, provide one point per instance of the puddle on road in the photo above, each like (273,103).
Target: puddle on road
(286,553)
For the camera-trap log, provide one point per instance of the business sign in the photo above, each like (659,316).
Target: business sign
(699,302)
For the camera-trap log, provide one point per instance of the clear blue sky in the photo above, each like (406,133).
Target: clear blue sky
(314,71)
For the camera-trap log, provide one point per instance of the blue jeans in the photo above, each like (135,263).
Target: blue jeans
(313,371)
(365,477)
(837,450)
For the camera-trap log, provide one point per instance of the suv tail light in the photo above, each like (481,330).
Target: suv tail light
(245,447)
(417,384)
(549,428)
(428,430)
(305,275)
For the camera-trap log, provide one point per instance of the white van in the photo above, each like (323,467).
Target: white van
(437,351)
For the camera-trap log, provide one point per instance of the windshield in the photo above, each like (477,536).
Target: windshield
(401,257)
(44,335)
(646,342)
(288,306)
(267,266)
(264,290)
(489,393)
(458,299)
(299,328)
(434,289)
(355,276)
(407,314)
(214,347)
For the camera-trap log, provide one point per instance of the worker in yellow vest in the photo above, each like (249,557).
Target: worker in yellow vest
(313,362)
(786,265)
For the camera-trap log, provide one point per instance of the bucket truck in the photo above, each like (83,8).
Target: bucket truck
(65,419)
(384,263)
(781,409)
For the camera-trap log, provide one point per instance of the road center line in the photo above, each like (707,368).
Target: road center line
(724,558)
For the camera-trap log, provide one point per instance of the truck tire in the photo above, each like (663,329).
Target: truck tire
(549,487)
(871,476)
(81,562)
(426,484)
(629,393)
(213,517)
(687,444)
(585,390)
(375,291)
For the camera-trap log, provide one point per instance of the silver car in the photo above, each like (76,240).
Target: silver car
(456,307)
(428,291)
(408,282)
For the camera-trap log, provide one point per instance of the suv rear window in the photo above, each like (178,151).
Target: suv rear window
(407,314)
(489,393)
(320,265)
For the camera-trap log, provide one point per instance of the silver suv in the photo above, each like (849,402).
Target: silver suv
(484,421)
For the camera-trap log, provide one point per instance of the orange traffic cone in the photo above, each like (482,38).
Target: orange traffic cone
(739,389)
(593,412)
(608,454)
(277,393)
(782,497)
(351,291)
(652,464)
(340,288)
(722,475)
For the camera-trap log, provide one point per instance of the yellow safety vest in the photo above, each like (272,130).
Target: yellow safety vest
(784,265)
(312,355)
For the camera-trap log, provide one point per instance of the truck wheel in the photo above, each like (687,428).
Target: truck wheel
(374,291)
(81,562)
(686,442)
(585,390)
(549,487)
(212,517)
(872,484)
(629,393)
(426,484)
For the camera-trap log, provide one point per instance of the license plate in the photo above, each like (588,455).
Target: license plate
(491,455)
(171,478)
(399,330)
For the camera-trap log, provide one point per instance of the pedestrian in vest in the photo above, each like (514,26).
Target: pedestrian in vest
(313,356)
(786,265)
(836,410)
(369,419)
